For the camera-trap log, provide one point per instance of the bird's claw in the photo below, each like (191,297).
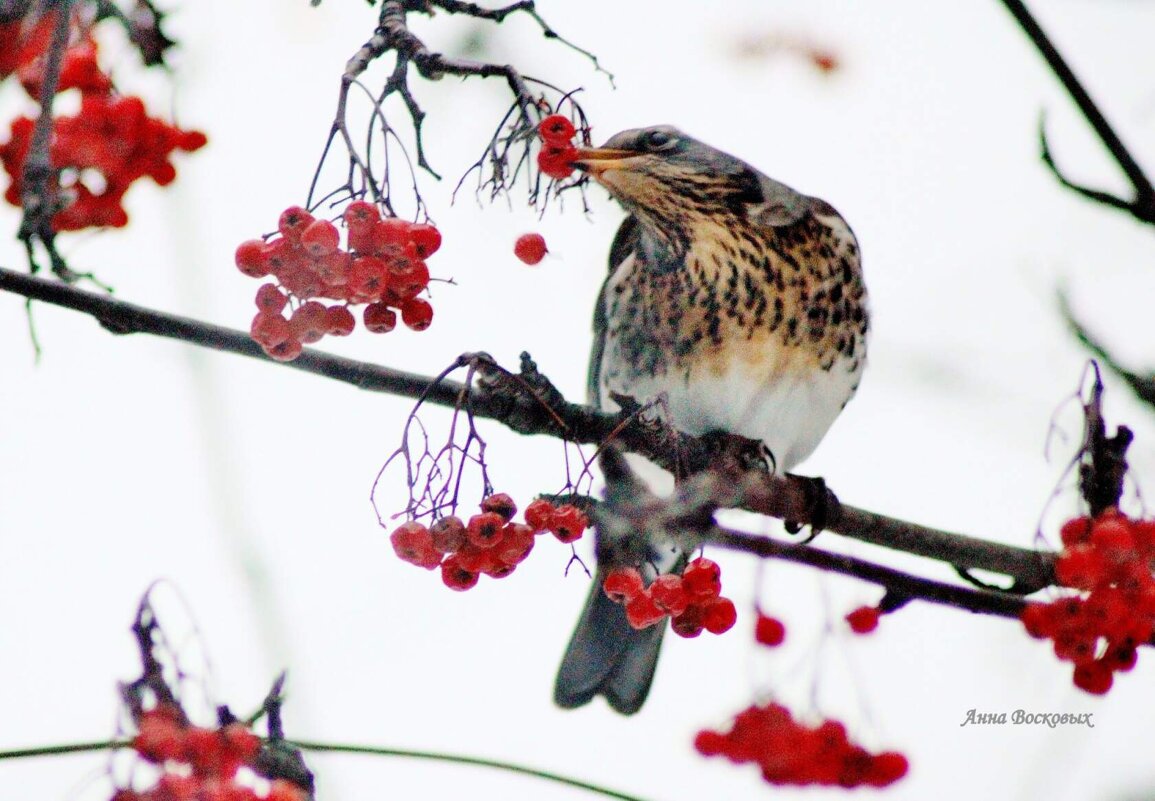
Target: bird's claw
(821,506)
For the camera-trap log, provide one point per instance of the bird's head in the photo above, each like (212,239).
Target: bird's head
(676,185)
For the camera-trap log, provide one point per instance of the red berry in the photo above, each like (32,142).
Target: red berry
(516,544)
(407,277)
(485,530)
(500,503)
(539,514)
(310,322)
(368,279)
(204,750)
(669,594)
(391,231)
(1037,620)
(556,129)
(251,258)
(568,523)
(702,578)
(623,584)
(379,318)
(530,248)
(455,576)
(448,534)
(1076,532)
(710,743)
(269,329)
(863,620)
(270,300)
(689,624)
(1121,657)
(294,220)
(642,612)
(1080,566)
(769,631)
(556,161)
(361,212)
(284,351)
(240,742)
(174,787)
(1113,535)
(1093,677)
(160,736)
(339,321)
(1144,533)
(719,616)
(426,238)
(417,314)
(413,543)
(886,768)
(474,559)
(320,238)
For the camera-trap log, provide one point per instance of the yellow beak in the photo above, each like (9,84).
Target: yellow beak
(596,160)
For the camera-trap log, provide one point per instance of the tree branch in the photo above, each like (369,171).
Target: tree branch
(1142,385)
(1143,205)
(529,404)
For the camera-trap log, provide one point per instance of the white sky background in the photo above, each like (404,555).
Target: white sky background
(127,459)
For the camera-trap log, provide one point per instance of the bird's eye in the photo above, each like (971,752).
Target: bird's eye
(658,140)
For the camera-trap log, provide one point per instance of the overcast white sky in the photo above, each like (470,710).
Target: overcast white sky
(246,485)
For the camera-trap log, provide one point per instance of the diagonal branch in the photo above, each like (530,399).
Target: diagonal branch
(530,405)
(1142,385)
(1143,205)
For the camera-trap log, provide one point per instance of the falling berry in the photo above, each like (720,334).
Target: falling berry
(530,248)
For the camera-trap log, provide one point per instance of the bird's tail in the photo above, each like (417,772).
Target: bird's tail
(607,656)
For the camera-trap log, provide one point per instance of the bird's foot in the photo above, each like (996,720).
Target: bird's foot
(730,453)
(820,503)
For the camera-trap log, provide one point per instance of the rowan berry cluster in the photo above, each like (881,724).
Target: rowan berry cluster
(383,267)
(489,542)
(198,763)
(98,153)
(1108,558)
(693,600)
(557,153)
(791,753)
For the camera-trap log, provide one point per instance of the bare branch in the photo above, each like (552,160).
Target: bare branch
(1143,206)
(1142,385)
(531,405)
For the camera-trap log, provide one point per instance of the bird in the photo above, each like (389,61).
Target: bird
(733,303)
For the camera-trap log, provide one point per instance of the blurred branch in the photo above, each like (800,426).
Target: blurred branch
(1142,385)
(527,403)
(1143,204)
(336,748)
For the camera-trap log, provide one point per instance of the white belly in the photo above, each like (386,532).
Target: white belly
(790,410)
